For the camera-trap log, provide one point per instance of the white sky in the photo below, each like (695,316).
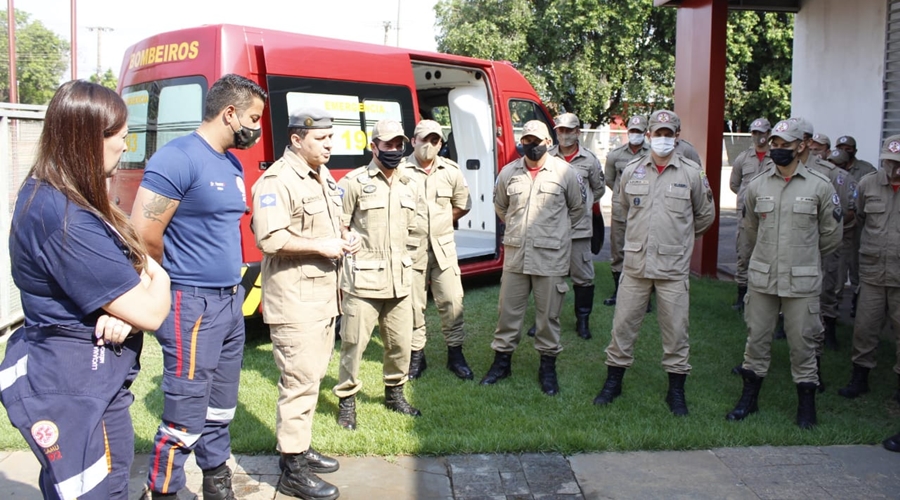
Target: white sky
(132,21)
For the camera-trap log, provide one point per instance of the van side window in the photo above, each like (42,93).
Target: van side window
(356,107)
(521,111)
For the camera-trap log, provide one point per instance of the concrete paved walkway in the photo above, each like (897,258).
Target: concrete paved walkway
(845,472)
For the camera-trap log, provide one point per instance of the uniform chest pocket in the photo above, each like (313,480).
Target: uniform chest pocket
(875,208)
(442,196)
(636,192)
(312,206)
(764,209)
(549,191)
(373,211)
(805,214)
(678,200)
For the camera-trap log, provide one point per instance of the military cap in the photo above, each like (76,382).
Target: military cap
(891,148)
(428,127)
(760,125)
(537,129)
(804,125)
(846,140)
(567,120)
(664,119)
(638,122)
(310,117)
(787,130)
(839,157)
(822,139)
(386,130)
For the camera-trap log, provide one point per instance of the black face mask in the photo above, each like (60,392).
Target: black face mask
(534,151)
(782,157)
(390,159)
(245,138)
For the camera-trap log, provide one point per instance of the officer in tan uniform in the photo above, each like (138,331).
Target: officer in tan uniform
(446,199)
(820,146)
(616,161)
(685,148)
(540,198)
(850,263)
(879,268)
(668,203)
(746,166)
(379,203)
(792,217)
(296,221)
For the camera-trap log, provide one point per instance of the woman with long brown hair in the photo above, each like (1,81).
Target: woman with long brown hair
(88,290)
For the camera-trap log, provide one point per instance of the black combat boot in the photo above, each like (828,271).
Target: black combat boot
(217,484)
(897,392)
(820,387)
(780,334)
(417,364)
(806,405)
(831,342)
(892,443)
(395,400)
(749,396)
(738,369)
(318,463)
(531,331)
(612,388)
(611,301)
(675,396)
(347,413)
(584,304)
(456,363)
(853,304)
(739,302)
(547,375)
(500,368)
(297,480)
(859,383)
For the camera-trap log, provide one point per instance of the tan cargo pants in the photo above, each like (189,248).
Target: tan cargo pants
(870,316)
(802,326)
(447,290)
(549,292)
(581,263)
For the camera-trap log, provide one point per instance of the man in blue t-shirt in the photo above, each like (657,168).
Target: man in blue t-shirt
(188,211)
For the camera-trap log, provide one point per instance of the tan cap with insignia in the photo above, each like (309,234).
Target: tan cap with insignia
(309,117)
(839,157)
(789,130)
(536,128)
(822,139)
(664,118)
(567,120)
(385,130)
(760,125)
(428,127)
(891,148)
(846,140)
(638,122)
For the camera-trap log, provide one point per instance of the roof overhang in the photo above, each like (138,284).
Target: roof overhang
(767,5)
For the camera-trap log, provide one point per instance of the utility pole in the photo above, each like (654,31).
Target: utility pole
(73,50)
(99,30)
(398,23)
(11,34)
(387,30)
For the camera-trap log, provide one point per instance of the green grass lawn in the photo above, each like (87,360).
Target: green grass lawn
(514,416)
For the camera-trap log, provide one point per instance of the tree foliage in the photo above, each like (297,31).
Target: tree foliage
(108,79)
(604,59)
(41,59)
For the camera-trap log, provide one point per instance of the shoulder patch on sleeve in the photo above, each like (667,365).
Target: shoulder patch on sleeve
(268,200)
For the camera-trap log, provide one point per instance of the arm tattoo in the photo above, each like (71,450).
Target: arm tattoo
(157,206)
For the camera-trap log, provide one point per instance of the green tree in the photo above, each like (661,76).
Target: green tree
(41,59)
(108,79)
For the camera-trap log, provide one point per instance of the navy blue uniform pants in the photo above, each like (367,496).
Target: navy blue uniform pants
(203,344)
(70,399)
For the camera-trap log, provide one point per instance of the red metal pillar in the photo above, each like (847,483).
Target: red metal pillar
(700,102)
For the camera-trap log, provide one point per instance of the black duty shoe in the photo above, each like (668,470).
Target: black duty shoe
(318,463)
(611,301)
(806,405)
(859,383)
(297,480)
(612,388)
(217,484)
(749,396)
(499,370)
(347,413)
(739,302)
(675,397)
(547,375)
(417,364)
(892,443)
(738,369)
(394,400)
(148,495)
(584,304)
(456,363)
(531,331)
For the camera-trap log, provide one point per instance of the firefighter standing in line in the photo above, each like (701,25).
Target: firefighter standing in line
(668,204)
(297,223)
(793,217)
(445,199)
(746,166)
(615,164)
(380,204)
(540,198)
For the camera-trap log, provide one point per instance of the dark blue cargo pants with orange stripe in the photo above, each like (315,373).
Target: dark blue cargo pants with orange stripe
(203,343)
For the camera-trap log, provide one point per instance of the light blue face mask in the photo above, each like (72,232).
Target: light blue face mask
(662,146)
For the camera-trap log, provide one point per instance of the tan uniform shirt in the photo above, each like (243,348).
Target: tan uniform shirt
(616,161)
(860,168)
(745,167)
(665,213)
(588,167)
(293,200)
(383,212)
(539,215)
(879,250)
(686,149)
(445,188)
(790,226)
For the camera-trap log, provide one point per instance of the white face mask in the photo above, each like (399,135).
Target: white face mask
(567,140)
(426,151)
(662,146)
(635,139)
